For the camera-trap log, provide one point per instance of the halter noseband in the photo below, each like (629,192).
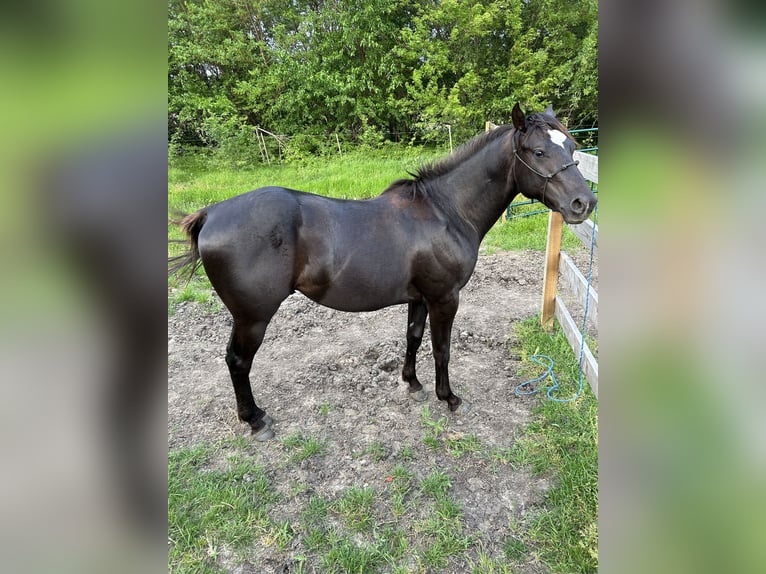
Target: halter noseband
(533,170)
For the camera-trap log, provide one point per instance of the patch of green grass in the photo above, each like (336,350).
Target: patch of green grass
(562,441)
(302,447)
(400,485)
(377,450)
(198,289)
(315,511)
(406,454)
(189,292)
(349,557)
(393,542)
(501,455)
(325,409)
(431,441)
(458,444)
(401,479)
(487,565)
(356,506)
(514,549)
(280,534)
(436,484)
(444,530)
(214,505)
(315,538)
(221,504)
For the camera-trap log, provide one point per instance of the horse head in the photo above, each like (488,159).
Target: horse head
(544,168)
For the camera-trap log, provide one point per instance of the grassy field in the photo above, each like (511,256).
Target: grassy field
(222,505)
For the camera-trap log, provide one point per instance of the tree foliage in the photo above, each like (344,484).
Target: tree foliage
(374,70)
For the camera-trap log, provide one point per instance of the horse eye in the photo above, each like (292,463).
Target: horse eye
(538,153)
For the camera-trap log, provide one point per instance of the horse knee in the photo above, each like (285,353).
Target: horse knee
(416,332)
(236,363)
(441,355)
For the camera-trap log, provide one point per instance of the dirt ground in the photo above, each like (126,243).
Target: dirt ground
(349,365)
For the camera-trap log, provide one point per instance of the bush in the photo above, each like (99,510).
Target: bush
(234,141)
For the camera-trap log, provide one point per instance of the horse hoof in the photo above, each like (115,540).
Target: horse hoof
(267,420)
(264,434)
(419,396)
(463,408)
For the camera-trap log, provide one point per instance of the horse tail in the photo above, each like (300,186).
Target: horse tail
(191,225)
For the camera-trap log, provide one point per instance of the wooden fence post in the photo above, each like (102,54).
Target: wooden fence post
(551,274)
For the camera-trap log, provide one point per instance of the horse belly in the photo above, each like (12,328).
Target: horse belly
(356,290)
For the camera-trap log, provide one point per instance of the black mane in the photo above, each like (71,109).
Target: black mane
(417,185)
(437,168)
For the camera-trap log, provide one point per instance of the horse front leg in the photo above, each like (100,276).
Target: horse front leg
(416,324)
(442,317)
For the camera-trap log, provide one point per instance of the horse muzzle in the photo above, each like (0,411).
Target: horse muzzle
(579,208)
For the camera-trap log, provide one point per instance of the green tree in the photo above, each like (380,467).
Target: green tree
(368,69)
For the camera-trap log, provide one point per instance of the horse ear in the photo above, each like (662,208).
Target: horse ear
(549,111)
(519,119)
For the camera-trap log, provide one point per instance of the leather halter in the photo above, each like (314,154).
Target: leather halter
(533,170)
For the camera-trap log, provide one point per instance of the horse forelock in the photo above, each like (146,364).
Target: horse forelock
(542,120)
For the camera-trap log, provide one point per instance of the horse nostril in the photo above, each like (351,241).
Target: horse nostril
(578,206)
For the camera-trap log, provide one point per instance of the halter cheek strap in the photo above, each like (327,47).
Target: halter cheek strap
(546,177)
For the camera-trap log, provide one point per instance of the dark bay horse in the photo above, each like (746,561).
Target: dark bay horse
(416,243)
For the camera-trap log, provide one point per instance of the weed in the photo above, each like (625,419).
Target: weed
(433,429)
(437,427)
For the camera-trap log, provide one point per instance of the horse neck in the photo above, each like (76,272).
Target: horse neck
(480,188)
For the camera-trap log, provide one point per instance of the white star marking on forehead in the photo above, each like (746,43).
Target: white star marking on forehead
(557,137)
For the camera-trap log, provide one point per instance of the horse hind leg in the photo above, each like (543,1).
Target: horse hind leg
(246,338)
